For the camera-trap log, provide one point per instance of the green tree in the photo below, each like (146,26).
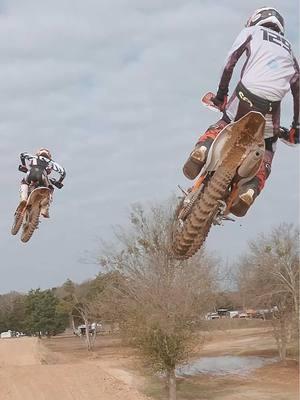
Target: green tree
(42,313)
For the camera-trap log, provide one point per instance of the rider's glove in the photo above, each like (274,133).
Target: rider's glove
(220,101)
(56,183)
(294,133)
(22,168)
(59,185)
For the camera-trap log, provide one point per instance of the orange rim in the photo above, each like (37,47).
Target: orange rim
(198,182)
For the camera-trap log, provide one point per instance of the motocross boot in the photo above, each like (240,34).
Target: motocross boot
(197,159)
(247,194)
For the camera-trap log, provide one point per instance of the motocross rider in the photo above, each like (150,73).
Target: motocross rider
(270,70)
(38,168)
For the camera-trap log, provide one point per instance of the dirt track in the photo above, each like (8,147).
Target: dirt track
(61,368)
(23,376)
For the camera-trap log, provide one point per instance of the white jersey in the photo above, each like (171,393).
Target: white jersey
(270,66)
(50,165)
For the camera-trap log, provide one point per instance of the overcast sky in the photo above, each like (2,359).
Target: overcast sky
(112,87)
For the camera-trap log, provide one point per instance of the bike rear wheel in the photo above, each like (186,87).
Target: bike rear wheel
(189,239)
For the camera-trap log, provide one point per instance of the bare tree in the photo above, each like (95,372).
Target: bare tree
(83,308)
(79,304)
(159,300)
(268,276)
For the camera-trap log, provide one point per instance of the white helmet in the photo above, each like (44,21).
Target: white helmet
(267,16)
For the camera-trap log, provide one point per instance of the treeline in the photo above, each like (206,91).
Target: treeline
(49,312)
(159,302)
(36,313)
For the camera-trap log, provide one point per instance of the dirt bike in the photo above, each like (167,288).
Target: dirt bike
(233,159)
(28,212)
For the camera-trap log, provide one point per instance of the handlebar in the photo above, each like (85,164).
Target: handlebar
(283,132)
(207,101)
(23,168)
(284,136)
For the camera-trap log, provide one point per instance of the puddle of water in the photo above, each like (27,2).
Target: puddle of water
(224,365)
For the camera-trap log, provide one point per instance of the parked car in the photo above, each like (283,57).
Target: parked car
(232,314)
(211,316)
(222,312)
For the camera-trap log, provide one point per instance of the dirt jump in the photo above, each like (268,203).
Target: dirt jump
(25,376)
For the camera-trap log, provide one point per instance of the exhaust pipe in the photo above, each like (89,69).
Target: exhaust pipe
(251,163)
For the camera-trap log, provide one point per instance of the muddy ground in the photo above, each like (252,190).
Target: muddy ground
(61,368)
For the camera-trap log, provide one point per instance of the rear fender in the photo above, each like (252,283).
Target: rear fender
(38,195)
(217,153)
